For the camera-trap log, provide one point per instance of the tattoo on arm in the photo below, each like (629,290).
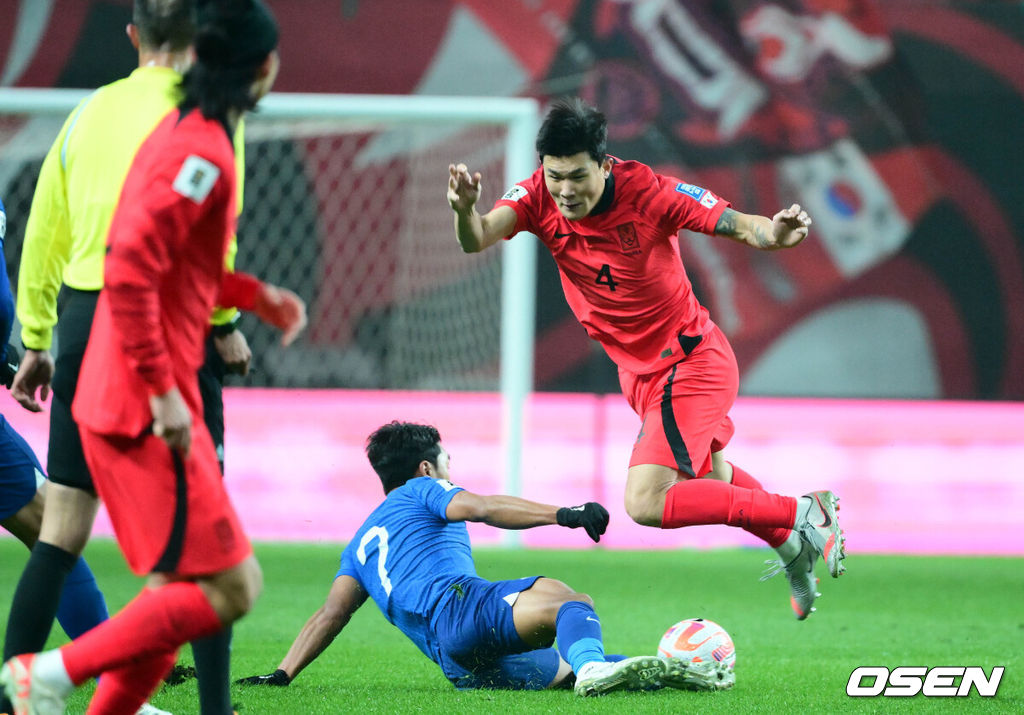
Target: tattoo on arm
(726,225)
(761,237)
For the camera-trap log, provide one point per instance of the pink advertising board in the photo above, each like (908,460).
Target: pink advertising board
(913,477)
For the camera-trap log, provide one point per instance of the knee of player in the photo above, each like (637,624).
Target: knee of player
(581,597)
(644,510)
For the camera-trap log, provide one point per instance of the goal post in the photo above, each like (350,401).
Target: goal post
(344,204)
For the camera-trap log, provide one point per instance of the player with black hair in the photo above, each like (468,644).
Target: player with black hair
(77,192)
(412,556)
(612,227)
(138,406)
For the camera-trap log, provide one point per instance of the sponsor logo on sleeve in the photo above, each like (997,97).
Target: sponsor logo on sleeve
(196,178)
(3,224)
(706,199)
(445,484)
(514,194)
(694,192)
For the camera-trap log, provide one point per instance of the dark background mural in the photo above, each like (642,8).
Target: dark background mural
(899,125)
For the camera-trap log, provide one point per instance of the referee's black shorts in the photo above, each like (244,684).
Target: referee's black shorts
(65,462)
(211,390)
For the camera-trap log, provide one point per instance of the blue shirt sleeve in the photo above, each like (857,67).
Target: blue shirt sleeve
(6,297)
(434,493)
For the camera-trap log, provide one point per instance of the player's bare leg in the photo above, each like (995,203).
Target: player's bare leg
(25,523)
(68,517)
(647,486)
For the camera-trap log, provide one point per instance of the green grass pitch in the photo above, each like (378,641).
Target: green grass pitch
(887,610)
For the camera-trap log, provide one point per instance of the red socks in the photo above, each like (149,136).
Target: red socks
(154,624)
(774,536)
(743,503)
(125,690)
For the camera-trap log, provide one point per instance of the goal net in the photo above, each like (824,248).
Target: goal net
(344,204)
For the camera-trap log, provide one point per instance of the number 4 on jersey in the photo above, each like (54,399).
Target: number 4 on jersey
(604,277)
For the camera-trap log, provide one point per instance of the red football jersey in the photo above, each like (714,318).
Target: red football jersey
(163,272)
(620,266)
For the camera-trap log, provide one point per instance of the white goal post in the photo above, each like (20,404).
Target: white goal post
(439,119)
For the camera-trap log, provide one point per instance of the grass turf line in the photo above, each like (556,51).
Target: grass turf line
(888,610)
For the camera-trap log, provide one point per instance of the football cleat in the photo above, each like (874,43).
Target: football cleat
(28,694)
(150,709)
(682,674)
(803,584)
(639,673)
(817,523)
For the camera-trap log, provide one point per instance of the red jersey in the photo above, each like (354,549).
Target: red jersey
(620,266)
(163,273)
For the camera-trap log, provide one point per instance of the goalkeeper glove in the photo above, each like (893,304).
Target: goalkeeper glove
(591,516)
(278,677)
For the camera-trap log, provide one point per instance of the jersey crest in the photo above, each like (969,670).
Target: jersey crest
(628,238)
(514,194)
(196,178)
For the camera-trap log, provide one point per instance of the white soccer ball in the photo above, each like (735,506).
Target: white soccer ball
(698,640)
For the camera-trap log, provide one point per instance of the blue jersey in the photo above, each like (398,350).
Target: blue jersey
(408,557)
(6,298)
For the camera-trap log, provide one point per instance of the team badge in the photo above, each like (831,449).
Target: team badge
(514,194)
(627,237)
(196,178)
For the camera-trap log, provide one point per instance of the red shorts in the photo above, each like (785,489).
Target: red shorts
(170,515)
(685,407)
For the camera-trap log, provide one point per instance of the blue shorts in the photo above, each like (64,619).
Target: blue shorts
(480,647)
(20,471)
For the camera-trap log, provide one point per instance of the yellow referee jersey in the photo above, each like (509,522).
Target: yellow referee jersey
(77,192)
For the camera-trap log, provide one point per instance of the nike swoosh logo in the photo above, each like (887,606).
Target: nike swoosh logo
(562,235)
(828,519)
(593,619)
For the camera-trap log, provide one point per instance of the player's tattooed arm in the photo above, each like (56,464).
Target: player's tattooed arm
(752,230)
(787,228)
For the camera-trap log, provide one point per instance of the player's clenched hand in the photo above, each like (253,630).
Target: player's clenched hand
(234,350)
(282,309)
(463,188)
(172,422)
(278,677)
(790,226)
(591,516)
(34,373)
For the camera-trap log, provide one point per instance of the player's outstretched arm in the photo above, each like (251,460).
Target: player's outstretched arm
(473,231)
(507,512)
(344,598)
(785,229)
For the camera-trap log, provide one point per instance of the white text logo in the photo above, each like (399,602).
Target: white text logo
(907,681)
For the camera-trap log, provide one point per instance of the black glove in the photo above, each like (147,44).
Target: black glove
(9,365)
(278,677)
(591,516)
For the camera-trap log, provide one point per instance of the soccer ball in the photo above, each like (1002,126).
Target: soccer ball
(698,640)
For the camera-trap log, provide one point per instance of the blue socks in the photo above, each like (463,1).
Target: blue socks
(578,634)
(81,604)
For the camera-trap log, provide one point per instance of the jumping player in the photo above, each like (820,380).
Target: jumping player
(611,227)
(412,557)
(138,405)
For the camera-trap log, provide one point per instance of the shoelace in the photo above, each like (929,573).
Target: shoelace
(773,568)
